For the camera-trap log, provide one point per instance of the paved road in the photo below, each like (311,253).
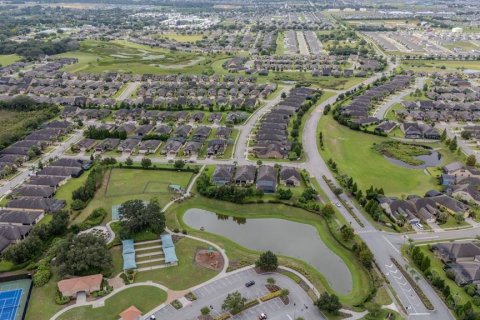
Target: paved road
(382,110)
(132,86)
(25,171)
(214,294)
(376,240)
(240,153)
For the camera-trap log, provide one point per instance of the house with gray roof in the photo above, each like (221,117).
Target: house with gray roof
(245,175)
(223,174)
(290,177)
(266,179)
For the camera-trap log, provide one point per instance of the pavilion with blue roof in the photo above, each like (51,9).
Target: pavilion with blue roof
(169,249)
(128,255)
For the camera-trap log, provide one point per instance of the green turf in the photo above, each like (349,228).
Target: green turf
(42,301)
(240,256)
(435,65)
(354,156)
(182,37)
(65,191)
(145,298)
(126,184)
(465,45)
(280,44)
(128,57)
(187,274)
(7,59)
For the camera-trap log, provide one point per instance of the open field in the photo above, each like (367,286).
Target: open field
(182,37)
(121,185)
(280,44)
(145,298)
(6,59)
(466,45)
(14,125)
(187,274)
(353,153)
(329,82)
(42,302)
(437,65)
(128,57)
(240,256)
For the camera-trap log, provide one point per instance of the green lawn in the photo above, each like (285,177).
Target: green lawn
(145,298)
(280,44)
(240,256)
(187,274)
(352,151)
(452,223)
(390,114)
(65,191)
(42,301)
(466,45)
(182,37)
(126,184)
(6,59)
(435,65)
(128,57)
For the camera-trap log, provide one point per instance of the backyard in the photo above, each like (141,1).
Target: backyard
(145,298)
(120,185)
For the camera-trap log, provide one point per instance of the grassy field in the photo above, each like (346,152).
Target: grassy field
(466,45)
(14,124)
(280,44)
(330,82)
(6,59)
(65,191)
(42,302)
(187,274)
(145,298)
(352,151)
(182,37)
(240,256)
(128,57)
(126,184)
(436,65)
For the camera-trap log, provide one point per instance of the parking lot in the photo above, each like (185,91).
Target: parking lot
(213,294)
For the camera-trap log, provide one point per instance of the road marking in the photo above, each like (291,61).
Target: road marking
(426,238)
(289,317)
(394,248)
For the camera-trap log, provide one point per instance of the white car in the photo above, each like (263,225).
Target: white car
(262,316)
(338,205)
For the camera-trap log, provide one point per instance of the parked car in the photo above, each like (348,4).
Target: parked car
(262,316)
(249,283)
(338,204)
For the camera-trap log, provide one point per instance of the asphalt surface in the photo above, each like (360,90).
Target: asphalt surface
(213,294)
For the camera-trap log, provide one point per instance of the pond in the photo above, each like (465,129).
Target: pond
(293,239)
(429,160)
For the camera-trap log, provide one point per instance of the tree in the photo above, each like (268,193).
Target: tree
(453,144)
(328,210)
(83,255)
(179,164)
(267,261)
(425,264)
(128,161)
(329,302)
(234,302)
(205,310)
(471,160)
(443,137)
(146,163)
(138,217)
(347,233)
(466,135)
(284,194)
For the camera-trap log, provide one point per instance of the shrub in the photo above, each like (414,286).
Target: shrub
(60,299)
(184,231)
(176,304)
(78,204)
(205,310)
(42,275)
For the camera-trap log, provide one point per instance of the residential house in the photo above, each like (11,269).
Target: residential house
(223,174)
(290,177)
(266,179)
(245,175)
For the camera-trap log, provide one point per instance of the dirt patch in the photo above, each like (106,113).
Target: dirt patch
(212,260)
